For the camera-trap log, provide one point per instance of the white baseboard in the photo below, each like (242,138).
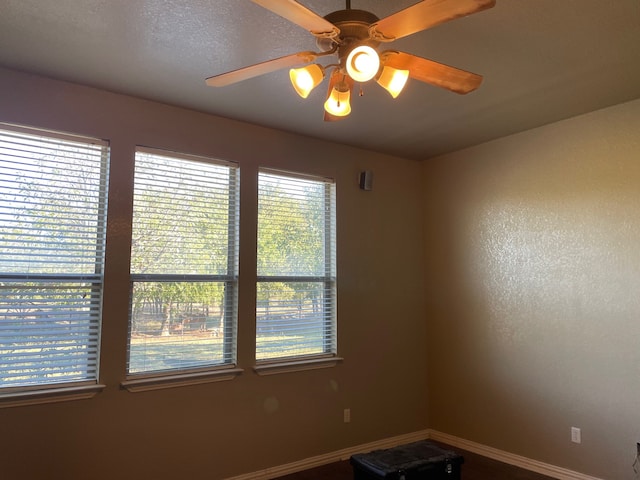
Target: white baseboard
(510,458)
(489,452)
(336,456)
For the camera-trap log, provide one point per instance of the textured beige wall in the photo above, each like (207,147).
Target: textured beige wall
(533,292)
(223,429)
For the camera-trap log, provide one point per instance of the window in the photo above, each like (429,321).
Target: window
(52,239)
(296,289)
(184,262)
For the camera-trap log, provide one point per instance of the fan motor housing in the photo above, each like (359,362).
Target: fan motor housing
(354,31)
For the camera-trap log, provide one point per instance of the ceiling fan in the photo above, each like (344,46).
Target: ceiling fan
(353,36)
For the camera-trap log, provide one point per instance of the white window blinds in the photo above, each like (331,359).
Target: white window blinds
(296,290)
(184,262)
(52,238)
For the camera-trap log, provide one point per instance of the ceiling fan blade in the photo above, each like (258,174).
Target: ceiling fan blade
(423,15)
(302,16)
(260,69)
(336,76)
(434,73)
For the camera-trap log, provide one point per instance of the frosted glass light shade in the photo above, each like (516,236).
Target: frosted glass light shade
(393,80)
(306,79)
(363,63)
(338,102)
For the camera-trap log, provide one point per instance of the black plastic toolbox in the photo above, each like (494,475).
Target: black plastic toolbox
(423,460)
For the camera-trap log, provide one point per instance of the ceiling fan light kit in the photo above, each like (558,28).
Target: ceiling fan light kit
(338,102)
(393,80)
(306,78)
(363,63)
(354,35)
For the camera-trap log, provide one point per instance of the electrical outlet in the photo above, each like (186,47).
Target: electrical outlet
(346,415)
(576,435)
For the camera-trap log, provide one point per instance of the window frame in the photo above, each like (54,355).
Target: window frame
(49,392)
(170,378)
(329,357)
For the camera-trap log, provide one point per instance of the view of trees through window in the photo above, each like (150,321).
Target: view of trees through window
(184,256)
(183,264)
(52,233)
(295,314)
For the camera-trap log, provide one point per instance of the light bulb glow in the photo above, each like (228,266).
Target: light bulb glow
(338,102)
(306,79)
(393,80)
(363,63)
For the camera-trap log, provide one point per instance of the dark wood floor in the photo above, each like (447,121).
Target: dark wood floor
(475,467)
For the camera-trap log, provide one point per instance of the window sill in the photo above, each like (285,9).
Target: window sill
(296,365)
(49,395)
(179,380)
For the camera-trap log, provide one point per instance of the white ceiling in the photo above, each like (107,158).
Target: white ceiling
(542,61)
